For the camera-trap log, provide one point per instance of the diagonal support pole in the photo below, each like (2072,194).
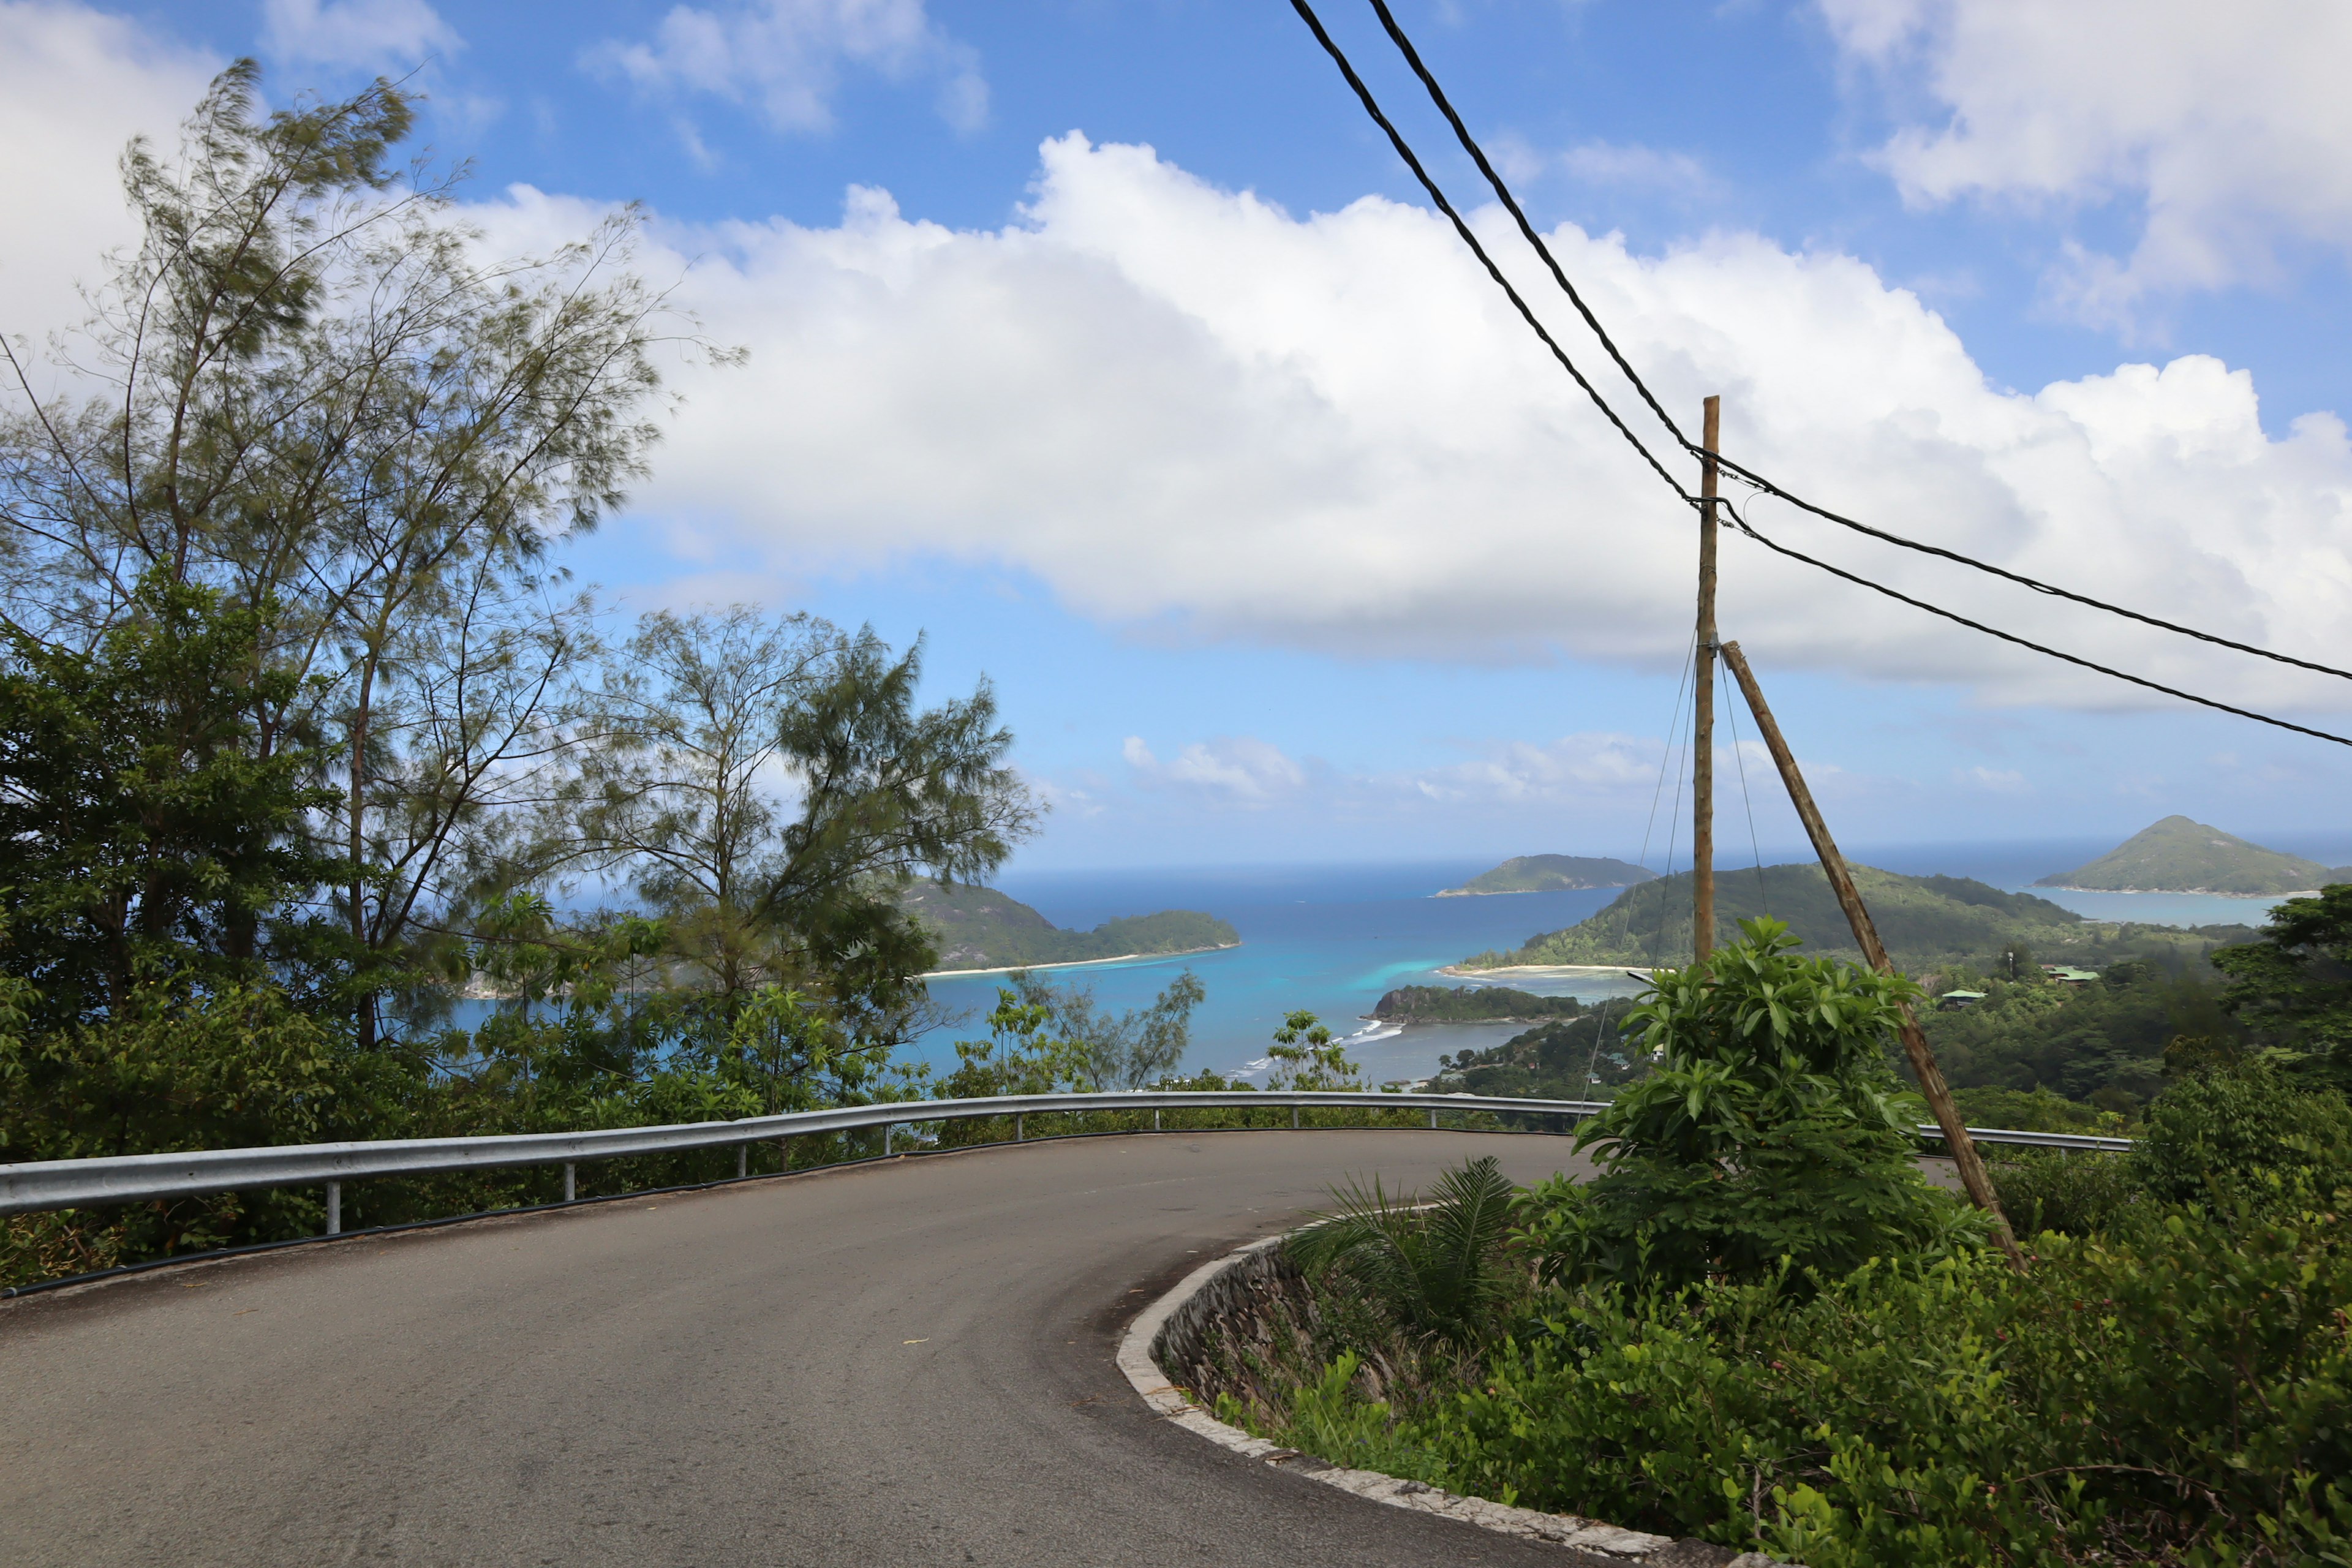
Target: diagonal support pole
(1866,936)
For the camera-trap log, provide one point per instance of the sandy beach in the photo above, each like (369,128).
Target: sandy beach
(1075,962)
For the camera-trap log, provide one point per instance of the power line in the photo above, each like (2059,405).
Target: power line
(1404,151)
(1743,525)
(1768,487)
(1413,161)
(1560,275)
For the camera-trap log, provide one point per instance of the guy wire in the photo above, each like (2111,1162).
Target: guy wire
(1731,716)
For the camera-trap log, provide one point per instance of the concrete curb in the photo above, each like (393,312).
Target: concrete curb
(1138,1359)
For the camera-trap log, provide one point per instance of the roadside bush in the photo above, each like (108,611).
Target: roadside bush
(2061,1190)
(2174,1392)
(1772,1131)
(2246,1135)
(1433,1270)
(2171,1382)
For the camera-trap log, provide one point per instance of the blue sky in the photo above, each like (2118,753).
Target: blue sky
(1278,539)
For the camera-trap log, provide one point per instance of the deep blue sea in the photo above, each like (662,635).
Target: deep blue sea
(1331,938)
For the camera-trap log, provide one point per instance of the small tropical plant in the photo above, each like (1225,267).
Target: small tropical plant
(1436,1269)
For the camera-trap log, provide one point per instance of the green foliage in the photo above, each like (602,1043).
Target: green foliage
(2178,856)
(1306,1056)
(1433,1270)
(145,834)
(2034,1110)
(2249,1136)
(1326,1418)
(1589,1056)
(980,928)
(1135,1049)
(1771,1129)
(2167,1383)
(1547,873)
(2186,1380)
(1470,1004)
(1922,919)
(2071,1191)
(2293,986)
(2102,1043)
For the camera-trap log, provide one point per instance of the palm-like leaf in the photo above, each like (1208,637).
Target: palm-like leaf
(1431,1267)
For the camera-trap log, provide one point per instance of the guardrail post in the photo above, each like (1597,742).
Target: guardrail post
(334,1208)
(784,1153)
(887,1131)
(1155,1119)
(1019,1128)
(1294,1118)
(742,1161)
(571,1181)
(1432,1119)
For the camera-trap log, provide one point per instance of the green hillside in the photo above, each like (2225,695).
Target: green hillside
(1921,918)
(1471,1004)
(2177,856)
(1550,873)
(980,928)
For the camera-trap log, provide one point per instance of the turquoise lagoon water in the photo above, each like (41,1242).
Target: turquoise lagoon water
(1328,940)
(1331,939)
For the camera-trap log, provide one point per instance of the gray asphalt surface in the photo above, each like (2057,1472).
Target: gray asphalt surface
(908,1362)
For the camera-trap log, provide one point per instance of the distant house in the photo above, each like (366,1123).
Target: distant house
(2067,974)
(1953,1001)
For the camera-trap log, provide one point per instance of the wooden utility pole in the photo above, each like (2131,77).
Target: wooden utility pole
(1866,936)
(1703,727)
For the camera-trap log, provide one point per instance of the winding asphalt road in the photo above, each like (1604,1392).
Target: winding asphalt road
(906,1362)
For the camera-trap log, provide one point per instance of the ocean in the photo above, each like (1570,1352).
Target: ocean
(1331,938)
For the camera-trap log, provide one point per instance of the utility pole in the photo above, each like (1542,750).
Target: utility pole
(1703,728)
(1873,951)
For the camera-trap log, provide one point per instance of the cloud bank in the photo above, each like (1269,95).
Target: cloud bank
(1199,416)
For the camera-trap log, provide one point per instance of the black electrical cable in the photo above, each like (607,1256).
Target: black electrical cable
(1404,151)
(1768,487)
(1742,525)
(1560,275)
(1511,205)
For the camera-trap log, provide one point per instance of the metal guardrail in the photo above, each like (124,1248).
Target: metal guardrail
(139,1178)
(2082,1142)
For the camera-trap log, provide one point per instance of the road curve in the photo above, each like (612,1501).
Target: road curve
(908,1363)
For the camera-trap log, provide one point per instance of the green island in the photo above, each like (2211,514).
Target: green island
(980,928)
(2178,856)
(1550,874)
(1924,920)
(1470,1004)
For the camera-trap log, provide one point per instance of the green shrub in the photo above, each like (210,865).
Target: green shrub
(2180,1382)
(2061,1190)
(1773,1128)
(1433,1269)
(2251,1134)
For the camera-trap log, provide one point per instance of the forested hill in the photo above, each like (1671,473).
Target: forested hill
(2178,856)
(1470,1004)
(980,928)
(1551,873)
(1921,918)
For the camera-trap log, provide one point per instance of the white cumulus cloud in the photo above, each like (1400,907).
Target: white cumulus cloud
(370,35)
(786,57)
(1235,769)
(1184,408)
(2229,123)
(75,85)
